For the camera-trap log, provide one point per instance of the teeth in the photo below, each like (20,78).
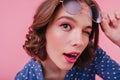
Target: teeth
(71,55)
(74,54)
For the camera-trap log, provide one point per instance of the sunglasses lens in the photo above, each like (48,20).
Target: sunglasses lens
(72,6)
(96,14)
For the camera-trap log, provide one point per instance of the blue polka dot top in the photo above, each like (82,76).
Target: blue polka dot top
(102,66)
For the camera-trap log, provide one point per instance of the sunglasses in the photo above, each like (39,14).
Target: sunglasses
(74,7)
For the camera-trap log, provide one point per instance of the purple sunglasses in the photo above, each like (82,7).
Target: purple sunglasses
(74,7)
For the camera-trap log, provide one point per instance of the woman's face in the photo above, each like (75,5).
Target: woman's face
(67,36)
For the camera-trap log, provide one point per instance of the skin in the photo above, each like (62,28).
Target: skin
(70,33)
(66,33)
(111,26)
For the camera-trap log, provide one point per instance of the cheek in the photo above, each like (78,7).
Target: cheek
(86,41)
(54,39)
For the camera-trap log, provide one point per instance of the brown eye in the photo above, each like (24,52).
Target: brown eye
(66,27)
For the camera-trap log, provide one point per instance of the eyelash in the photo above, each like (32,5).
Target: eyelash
(66,27)
(86,32)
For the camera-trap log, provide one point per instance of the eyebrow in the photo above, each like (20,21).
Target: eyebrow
(90,27)
(67,17)
(70,18)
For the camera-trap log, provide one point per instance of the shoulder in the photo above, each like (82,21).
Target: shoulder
(31,71)
(105,66)
(103,59)
(100,54)
(100,51)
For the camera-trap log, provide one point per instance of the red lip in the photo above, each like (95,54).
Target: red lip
(71,57)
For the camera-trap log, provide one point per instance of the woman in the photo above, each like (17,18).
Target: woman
(63,42)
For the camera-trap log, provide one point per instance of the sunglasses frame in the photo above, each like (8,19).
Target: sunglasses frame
(96,13)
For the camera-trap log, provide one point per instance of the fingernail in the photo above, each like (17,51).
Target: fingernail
(117,15)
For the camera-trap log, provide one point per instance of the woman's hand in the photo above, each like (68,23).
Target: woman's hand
(111,26)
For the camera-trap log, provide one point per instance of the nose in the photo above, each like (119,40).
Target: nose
(77,39)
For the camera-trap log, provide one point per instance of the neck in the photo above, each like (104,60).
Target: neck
(51,71)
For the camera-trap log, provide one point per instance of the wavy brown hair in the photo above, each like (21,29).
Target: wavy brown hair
(35,45)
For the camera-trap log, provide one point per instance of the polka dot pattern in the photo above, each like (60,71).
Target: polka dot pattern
(105,67)
(31,71)
(102,65)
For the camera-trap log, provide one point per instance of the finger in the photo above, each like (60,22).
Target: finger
(105,22)
(113,21)
(117,15)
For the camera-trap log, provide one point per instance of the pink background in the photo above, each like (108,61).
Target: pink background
(15,17)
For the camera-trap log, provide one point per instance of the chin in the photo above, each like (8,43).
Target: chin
(68,67)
